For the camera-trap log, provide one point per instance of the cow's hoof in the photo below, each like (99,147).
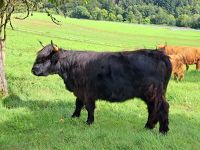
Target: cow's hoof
(164,130)
(75,115)
(149,126)
(88,122)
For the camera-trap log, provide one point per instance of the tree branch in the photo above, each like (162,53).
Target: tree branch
(52,18)
(27,8)
(7,19)
(11,25)
(9,8)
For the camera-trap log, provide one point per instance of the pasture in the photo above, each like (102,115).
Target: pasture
(36,114)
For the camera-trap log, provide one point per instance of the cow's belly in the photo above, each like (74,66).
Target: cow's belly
(191,59)
(119,96)
(117,93)
(121,90)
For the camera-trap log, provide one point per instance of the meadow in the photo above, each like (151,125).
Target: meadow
(36,114)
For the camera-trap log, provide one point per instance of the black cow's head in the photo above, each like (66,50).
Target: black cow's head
(46,61)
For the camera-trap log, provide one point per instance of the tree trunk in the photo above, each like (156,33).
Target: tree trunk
(3,82)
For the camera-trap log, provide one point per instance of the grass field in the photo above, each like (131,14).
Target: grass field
(37,113)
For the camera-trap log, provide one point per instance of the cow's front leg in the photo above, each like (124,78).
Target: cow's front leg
(78,107)
(90,106)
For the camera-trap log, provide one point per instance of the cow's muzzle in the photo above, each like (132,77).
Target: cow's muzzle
(36,70)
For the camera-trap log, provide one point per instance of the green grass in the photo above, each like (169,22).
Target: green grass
(36,115)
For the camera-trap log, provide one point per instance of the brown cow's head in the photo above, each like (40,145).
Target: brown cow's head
(161,47)
(46,61)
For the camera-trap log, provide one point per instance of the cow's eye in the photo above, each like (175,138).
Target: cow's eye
(41,60)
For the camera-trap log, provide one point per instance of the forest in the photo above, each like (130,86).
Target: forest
(182,13)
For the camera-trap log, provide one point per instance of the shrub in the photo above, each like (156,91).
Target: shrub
(96,14)
(112,17)
(146,20)
(80,12)
(104,14)
(120,18)
(195,21)
(163,17)
(131,17)
(183,21)
(171,20)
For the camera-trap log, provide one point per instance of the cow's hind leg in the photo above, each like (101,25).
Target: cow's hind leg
(158,108)
(90,106)
(152,116)
(198,65)
(163,111)
(187,67)
(175,76)
(79,106)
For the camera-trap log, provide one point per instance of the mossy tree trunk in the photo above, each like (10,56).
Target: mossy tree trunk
(3,82)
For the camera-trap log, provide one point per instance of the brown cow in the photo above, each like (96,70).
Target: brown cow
(191,55)
(177,66)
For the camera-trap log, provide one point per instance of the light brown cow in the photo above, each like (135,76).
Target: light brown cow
(191,55)
(177,66)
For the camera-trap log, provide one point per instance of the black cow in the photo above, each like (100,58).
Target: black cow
(111,76)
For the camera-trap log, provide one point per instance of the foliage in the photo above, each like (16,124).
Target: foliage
(112,17)
(163,18)
(146,20)
(104,14)
(196,21)
(130,17)
(80,12)
(119,17)
(184,21)
(167,12)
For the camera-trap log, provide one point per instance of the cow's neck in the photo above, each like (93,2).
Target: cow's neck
(67,62)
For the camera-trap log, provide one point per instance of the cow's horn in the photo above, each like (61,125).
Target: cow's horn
(41,43)
(55,48)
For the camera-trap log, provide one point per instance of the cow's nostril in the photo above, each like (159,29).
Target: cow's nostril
(35,70)
(32,70)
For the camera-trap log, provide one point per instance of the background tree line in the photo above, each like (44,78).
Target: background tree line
(183,13)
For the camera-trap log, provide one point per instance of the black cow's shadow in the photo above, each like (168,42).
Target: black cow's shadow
(14,101)
(41,109)
(63,108)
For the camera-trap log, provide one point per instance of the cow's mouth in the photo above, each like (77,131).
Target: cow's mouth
(37,72)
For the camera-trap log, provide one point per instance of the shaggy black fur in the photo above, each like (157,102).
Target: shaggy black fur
(111,76)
